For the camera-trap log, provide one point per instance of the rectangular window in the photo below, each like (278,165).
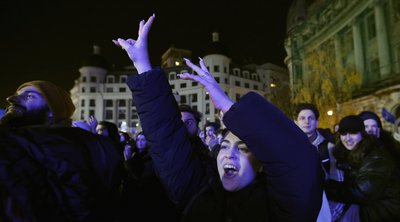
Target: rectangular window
(108,103)
(123,79)
(237,96)
(92,89)
(217,79)
(92,103)
(84,79)
(110,79)
(172,86)
(109,90)
(91,112)
(183,99)
(83,114)
(246,85)
(121,114)
(83,89)
(109,114)
(122,89)
(121,103)
(194,97)
(216,68)
(207,108)
(83,103)
(183,85)
(255,87)
(225,69)
(172,76)
(237,83)
(93,79)
(195,84)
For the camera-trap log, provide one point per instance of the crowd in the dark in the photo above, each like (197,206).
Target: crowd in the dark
(257,165)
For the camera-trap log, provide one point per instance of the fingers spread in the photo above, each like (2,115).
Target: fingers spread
(203,65)
(144,27)
(197,69)
(124,44)
(141,24)
(116,43)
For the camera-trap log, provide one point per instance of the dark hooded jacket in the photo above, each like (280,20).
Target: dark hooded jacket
(57,174)
(289,188)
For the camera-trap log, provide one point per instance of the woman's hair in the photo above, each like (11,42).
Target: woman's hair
(354,157)
(112,130)
(138,134)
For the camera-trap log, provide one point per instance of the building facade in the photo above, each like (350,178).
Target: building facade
(365,34)
(104,94)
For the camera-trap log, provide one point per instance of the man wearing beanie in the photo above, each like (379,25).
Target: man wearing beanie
(50,173)
(39,103)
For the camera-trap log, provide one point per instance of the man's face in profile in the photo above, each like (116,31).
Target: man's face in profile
(26,107)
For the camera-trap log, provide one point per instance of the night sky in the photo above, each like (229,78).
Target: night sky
(48,39)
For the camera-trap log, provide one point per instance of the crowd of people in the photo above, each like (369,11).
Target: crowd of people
(255,164)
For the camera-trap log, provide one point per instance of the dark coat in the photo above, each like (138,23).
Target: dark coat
(143,197)
(57,174)
(289,189)
(371,181)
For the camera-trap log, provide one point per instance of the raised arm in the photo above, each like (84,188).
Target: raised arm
(137,49)
(220,100)
(175,160)
(290,162)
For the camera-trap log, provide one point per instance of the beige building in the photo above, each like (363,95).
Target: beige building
(104,94)
(365,34)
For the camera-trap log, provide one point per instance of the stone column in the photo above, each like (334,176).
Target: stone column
(358,48)
(338,57)
(383,40)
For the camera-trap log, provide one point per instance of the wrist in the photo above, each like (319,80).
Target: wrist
(226,105)
(142,66)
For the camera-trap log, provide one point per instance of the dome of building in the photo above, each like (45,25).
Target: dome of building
(95,59)
(216,47)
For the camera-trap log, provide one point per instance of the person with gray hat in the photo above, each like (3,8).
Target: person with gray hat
(371,188)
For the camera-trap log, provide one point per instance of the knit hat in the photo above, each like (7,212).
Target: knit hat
(351,124)
(58,100)
(370,115)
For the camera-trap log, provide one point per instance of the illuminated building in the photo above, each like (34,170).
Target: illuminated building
(104,94)
(365,34)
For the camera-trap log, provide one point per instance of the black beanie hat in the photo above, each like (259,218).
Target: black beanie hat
(370,115)
(351,124)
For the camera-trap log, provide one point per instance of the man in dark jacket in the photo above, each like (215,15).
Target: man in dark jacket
(38,103)
(50,171)
(285,188)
